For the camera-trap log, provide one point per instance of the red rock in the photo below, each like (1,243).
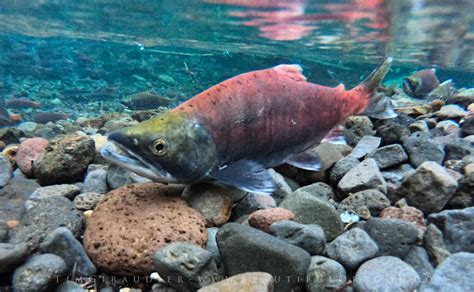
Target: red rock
(28,152)
(262,219)
(409,214)
(132,222)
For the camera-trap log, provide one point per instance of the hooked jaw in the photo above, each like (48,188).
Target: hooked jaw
(133,161)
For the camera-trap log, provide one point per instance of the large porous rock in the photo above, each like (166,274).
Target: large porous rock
(47,215)
(457,227)
(464,195)
(186,266)
(65,160)
(392,132)
(454,274)
(388,156)
(393,237)
(214,202)
(421,148)
(325,274)
(386,273)
(245,249)
(248,282)
(131,223)
(29,150)
(309,237)
(372,200)
(352,248)
(429,188)
(6,170)
(308,209)
(11,256)
(365,175)
(39,273)
(14,195)
(62,242)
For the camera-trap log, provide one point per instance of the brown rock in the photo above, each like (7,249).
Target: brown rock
(214,202)
(28,152)
(409,214)
(131,223)
(262,219)
(65,160)
(248,282)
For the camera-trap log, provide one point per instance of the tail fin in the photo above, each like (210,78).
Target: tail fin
(379,105)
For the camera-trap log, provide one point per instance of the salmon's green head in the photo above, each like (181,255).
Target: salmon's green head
(170,148)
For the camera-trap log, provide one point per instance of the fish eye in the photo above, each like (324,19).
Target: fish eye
(159,147)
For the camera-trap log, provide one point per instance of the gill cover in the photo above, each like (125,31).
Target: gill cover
(172,146)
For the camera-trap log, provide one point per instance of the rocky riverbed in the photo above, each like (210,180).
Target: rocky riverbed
(400,218)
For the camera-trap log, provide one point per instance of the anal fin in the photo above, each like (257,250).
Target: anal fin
(246,175)
(307,160)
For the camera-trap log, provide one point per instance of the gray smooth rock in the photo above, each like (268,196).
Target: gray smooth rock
(251,203)
(365,175)
(245,282)
(454,274)
(46,216)
(6,171)
(63,190)
(429,188)
(96,182)
(186,266)
(434,243)
(388,156)
(352,248)
(308,209)
(320,190)
(71,286)
(245,249)
(371,199)
(12,255)
(39,273)
(309,237)
(417,257)
(394,177)
(386,273)
(118,177)
(62,242)
(341,168)
(464,195)
(457,227)
(14,195)
(421,148)
(3,230)
(211,245)
(393,236)
(281,185)
(87,201)
(324,275)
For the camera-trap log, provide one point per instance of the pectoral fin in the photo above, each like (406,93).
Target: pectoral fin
(308,160)
(246,175)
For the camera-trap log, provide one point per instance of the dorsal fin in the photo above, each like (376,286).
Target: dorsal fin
(340,87)
(293,71)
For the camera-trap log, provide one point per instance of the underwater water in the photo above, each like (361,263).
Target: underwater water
(83,58)
(315,187)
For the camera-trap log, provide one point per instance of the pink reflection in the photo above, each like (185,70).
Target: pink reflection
(287,20)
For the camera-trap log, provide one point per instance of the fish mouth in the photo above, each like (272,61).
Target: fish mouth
(135,163)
